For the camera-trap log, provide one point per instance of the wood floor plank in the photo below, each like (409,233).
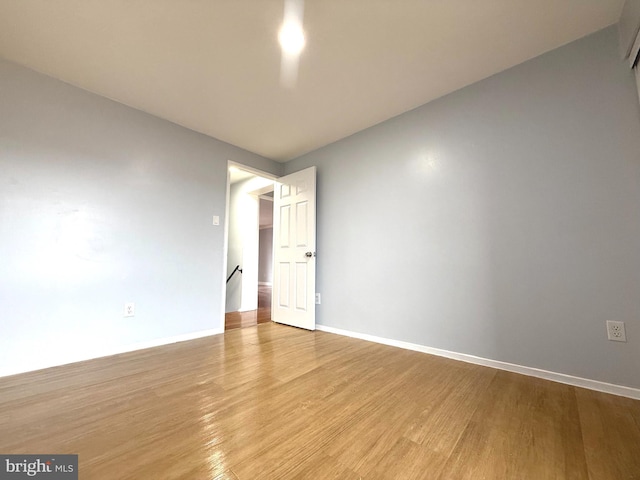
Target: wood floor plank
(449,406)
(610,434)
(522,426)
(275,402)
(322,467)
(408,460)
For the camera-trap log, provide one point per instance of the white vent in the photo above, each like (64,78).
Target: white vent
(634,58)
(629,27)
(634,55)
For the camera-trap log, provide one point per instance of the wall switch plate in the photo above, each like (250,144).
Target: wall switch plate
(318,299)
(615,331)
(216,220)
(129,309)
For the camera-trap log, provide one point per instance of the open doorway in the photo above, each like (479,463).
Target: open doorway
(249,249)
(265,256)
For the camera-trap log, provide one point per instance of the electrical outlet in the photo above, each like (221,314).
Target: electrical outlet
(615,331)
(129,309)
(318,299)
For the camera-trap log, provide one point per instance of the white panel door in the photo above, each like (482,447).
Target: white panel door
(294,250)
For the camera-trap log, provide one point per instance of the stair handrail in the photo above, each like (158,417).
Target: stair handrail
(237,269)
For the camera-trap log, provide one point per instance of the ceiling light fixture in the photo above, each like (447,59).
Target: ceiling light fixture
(292,41)
(291,37)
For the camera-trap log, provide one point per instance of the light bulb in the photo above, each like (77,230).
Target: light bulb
(291,37)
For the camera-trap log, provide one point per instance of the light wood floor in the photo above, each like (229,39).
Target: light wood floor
(271,402)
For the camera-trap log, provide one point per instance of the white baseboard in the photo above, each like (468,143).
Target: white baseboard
(510,367)
(116,351)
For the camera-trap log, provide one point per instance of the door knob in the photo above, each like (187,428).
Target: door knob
(310,254)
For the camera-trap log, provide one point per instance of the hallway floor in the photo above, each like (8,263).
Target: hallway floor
(251,318)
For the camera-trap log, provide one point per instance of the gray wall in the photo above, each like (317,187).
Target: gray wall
(265,269)
(102,204)
(501,221)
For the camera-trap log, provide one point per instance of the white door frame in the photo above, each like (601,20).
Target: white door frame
(225,245)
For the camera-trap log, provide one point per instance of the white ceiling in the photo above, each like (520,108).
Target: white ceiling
(213,65)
